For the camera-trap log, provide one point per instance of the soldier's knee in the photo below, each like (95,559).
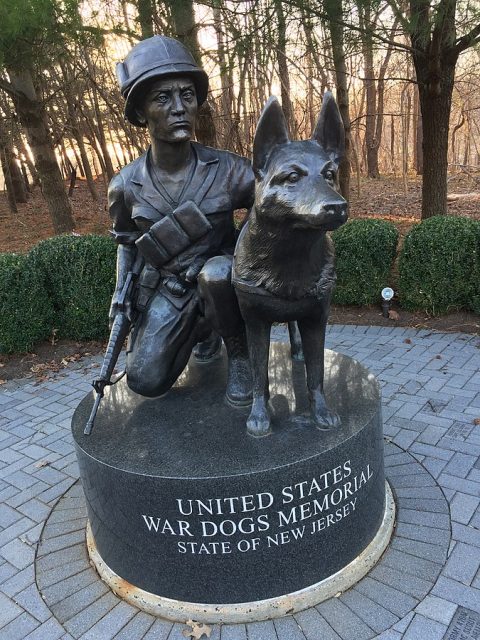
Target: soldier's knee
(217,270)
(148,382)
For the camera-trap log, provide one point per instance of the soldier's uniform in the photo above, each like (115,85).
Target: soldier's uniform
(176,314)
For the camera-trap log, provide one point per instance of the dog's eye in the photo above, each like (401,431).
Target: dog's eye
(293,177)
(329,175)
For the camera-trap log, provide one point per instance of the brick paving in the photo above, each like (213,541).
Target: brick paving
(431,397)
(400,581)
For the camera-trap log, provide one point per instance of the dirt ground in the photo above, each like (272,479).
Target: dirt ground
(382,198)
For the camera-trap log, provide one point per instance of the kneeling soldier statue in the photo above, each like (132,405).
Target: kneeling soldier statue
(172,212)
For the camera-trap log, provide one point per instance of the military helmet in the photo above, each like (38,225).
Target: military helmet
(154,58)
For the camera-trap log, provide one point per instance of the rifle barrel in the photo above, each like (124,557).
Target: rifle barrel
(89,426)
(118,333)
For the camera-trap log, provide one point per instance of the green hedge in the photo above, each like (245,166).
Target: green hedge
(439,265)
(79,274)
(26,312)
(364,253)
(66,283)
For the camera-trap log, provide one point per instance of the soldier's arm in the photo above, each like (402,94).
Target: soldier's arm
(243,183)
(125,233)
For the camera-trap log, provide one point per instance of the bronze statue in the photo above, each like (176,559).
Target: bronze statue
(174,206)
(283,265)
(172,212)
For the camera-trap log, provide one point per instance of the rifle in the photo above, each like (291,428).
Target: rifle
(118,333)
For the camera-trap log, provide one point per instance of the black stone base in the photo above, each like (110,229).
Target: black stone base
(185,505)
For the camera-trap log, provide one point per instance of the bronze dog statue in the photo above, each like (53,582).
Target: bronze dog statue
(283,266)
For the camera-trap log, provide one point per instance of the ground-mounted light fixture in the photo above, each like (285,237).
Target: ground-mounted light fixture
(387,295)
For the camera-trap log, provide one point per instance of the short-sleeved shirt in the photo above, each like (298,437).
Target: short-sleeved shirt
(220,183)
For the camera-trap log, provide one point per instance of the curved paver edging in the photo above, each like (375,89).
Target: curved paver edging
(404,575)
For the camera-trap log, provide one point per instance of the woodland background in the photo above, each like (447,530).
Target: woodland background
(406,75)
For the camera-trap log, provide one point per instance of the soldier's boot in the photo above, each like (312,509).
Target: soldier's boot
(208,350)
(220,308)
(239,381)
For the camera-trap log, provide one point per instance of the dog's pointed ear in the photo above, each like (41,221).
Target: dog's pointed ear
(329,131)
(271,130)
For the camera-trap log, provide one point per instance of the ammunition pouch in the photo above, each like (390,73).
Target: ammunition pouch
(148,283)
(171,235)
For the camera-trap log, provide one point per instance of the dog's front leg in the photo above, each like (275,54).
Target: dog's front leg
(295,341)
(258,336)
(312,331)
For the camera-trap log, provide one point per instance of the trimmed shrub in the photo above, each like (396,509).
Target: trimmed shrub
(26,312)
(440,265)
(364,253)
(79,275)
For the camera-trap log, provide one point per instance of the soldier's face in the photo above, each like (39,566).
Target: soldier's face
(170,108)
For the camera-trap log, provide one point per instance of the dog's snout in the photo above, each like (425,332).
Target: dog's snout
(334,213)
(337,210)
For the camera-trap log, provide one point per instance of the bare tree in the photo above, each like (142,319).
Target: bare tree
(435,49)
(31,112)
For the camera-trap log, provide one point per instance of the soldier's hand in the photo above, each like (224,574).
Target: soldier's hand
(116,308)
(194,269)
(113,310)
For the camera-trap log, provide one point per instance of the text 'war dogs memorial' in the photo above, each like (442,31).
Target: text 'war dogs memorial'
(258,514)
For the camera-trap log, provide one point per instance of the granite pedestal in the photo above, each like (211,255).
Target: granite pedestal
(185,507)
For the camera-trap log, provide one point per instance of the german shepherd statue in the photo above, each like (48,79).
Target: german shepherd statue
(283,267)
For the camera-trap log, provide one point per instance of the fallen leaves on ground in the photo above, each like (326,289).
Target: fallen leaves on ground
(42,463)
(198,630)
(43,370)
(476,421)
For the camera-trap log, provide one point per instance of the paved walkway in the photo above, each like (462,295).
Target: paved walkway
(431,394)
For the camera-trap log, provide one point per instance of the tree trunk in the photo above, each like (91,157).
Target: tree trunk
(185,28)
(32,115)
(19,142)
(334,10)
(12,202)
(466,152)
(100,133)
(72,116)
(455,151)
(312,50)
(145,18)
(418,137)
(227,97)
(23,169)
(26,158)
(392,143)
(205,130)
(19,186)
(14,180)
(282,62)
(370,92)
(435,106)
(67,165)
